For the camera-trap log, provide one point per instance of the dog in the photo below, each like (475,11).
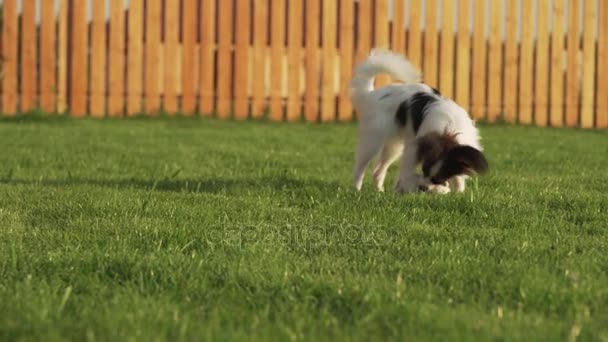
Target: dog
(412,121)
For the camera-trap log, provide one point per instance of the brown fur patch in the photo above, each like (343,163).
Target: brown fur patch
(434,147)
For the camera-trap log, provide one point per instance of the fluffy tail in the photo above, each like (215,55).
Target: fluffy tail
(382,62)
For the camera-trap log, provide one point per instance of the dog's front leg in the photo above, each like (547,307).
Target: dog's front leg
(408,179)
(457,183)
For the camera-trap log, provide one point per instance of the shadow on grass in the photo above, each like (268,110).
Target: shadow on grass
(219,185)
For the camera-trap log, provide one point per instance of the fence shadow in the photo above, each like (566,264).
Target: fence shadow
(217,185)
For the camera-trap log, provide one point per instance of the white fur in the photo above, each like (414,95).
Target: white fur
(381,136)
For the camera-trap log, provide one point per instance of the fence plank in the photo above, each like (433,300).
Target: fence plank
(572,70)
(135,57)
(602,69)
(347,28)
(207,57)
(28,55)
(556,111)
(62,57)
(446,65)
(463,60)
(9,55)
(381,40)
(78,72)
(260,54)
(98,59)
(242,51)
(152,56)
(431,53)
(188,22)
(241,57)
(311,104)
(116,63)
(398,42)
(294,105)
(495,61)
(478,103)
(277,51)
(48,38)
(526,62)
(588,64)
(510,81)
(328,96)
(414,39)
(171,67)
(224,59)
(541,74)
(364,34)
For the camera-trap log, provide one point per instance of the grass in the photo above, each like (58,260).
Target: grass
(197,229)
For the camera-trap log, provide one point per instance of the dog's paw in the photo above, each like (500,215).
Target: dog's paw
(407,185)
(439,189)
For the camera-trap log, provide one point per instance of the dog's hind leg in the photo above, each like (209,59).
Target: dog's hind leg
(391,152)
(368,147)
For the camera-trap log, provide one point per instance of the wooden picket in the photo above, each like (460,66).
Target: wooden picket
(116,60)
(431,53)
(601,92)
(277,47)
(311,104)
(207,57)
(135,57)
(328,107)
(381,35)
(48,50)
(526,65)
(478,99)
(28,56)
(463,58)
(241,60)
(398,42)
(572,71)
(9,57)
(495,62)
(224,59)
(62,57)
(446,60)
(587,88)
(365,29)
(78,58)
(152,56)
(294,101)
(541,70)
(510,79)
(170,67)
(530,62)
(260,54)
(98,60)
(414,40)
(188,23)
(347,28)
(556,108)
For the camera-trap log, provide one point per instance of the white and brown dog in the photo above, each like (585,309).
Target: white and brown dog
(413,121)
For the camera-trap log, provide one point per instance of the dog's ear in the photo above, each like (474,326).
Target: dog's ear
(470,159)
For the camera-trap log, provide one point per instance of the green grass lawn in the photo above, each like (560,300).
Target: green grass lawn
(198,229)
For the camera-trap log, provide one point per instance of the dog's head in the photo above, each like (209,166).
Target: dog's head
(442,158)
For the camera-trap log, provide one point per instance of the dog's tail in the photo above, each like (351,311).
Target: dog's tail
(379,62)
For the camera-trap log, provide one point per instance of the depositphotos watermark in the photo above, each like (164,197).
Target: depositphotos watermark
(298,235)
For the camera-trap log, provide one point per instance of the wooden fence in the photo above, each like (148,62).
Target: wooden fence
(292,59)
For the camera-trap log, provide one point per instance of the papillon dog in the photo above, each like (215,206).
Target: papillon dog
(412,121)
